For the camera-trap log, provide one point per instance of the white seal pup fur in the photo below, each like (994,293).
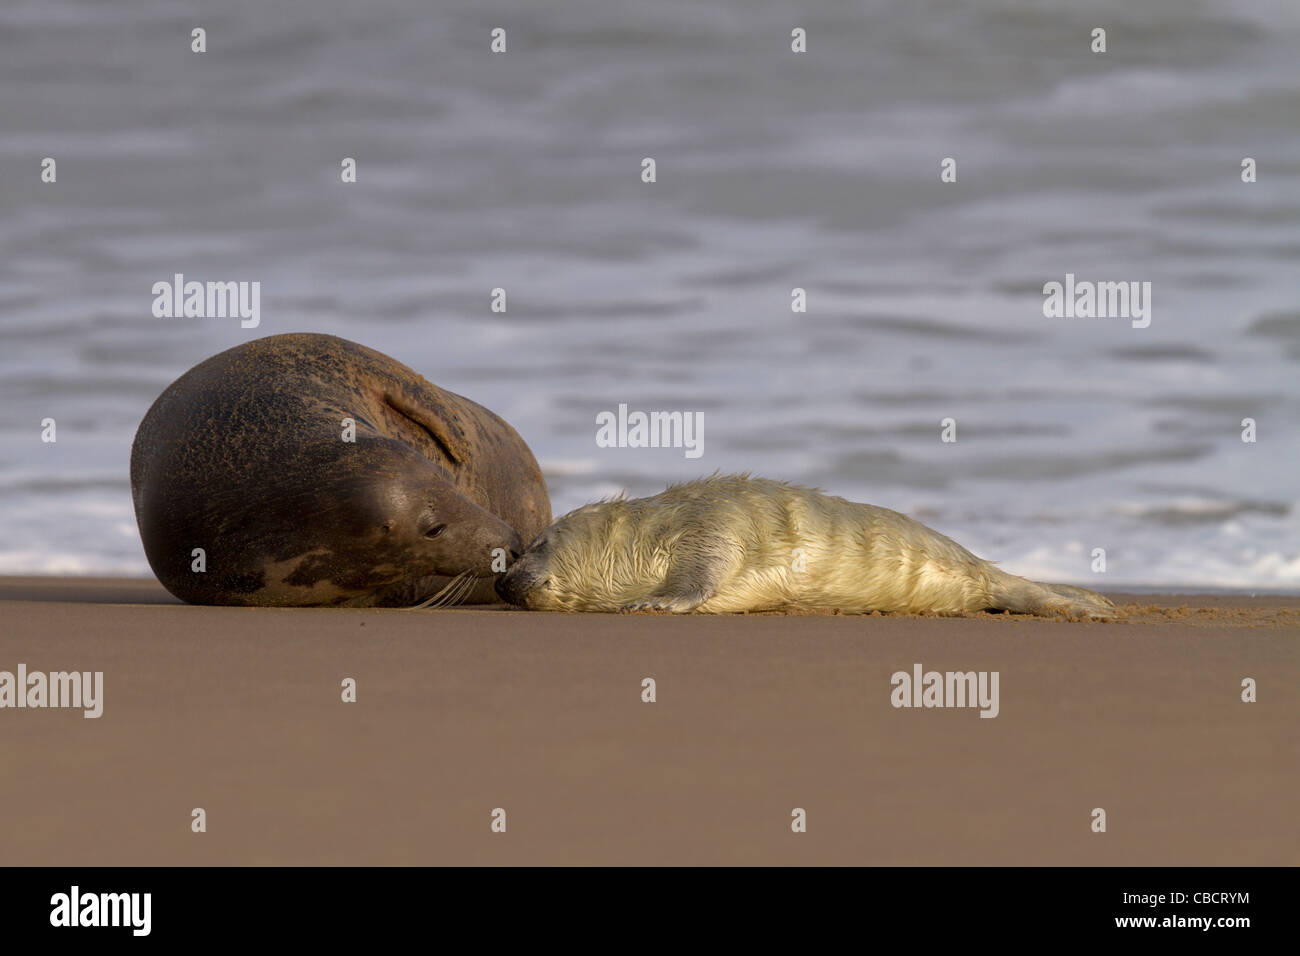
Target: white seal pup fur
(734,543)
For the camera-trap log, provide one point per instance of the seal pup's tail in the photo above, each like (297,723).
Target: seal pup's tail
(1007,592)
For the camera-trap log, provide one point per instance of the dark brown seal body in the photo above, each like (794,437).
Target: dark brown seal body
(244,457)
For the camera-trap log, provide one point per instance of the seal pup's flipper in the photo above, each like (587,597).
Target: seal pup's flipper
(691,581)
(1007,592)
(683,602)
(1089,602)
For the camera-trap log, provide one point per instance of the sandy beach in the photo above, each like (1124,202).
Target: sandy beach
(461,712)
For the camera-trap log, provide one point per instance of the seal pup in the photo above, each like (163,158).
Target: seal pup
(249,457)
(734,543)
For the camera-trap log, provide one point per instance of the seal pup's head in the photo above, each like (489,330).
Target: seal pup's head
(585,561)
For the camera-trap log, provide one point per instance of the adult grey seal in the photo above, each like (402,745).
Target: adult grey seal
(734,543)
(251,488)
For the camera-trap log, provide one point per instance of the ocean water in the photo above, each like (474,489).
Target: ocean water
(775,170)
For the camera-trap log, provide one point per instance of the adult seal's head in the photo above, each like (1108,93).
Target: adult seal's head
(308,470)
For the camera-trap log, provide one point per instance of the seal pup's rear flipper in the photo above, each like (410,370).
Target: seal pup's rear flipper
(1088,602)
(1007,592)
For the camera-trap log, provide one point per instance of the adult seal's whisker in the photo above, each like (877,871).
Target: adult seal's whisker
(467,585)
(447,588)
(459,587)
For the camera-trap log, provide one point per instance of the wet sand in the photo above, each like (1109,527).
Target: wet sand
(459,712)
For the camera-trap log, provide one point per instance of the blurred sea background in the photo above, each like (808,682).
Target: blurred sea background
(818,170)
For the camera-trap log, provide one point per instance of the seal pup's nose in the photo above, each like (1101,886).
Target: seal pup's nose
(507,586)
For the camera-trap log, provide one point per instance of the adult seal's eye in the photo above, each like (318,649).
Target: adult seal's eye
(435,531)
